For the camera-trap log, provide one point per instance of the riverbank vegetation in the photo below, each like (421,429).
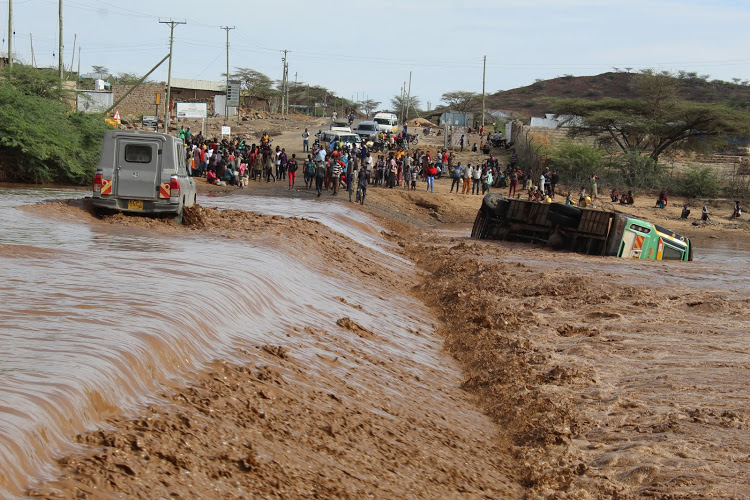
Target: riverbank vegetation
(42,138)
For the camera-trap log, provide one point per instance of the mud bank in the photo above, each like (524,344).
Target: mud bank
(612,380)
(362,403)
(602,378)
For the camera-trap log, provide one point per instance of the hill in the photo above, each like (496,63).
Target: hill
(533,100)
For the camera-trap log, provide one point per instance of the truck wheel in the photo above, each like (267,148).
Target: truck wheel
(479,223)
(563,220)
(495,204)
(568,210)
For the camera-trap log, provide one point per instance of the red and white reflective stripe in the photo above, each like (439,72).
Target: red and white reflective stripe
(165,190)
(106,186)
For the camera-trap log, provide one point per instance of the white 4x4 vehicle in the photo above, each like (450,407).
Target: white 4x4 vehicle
(142,171)
(340,126)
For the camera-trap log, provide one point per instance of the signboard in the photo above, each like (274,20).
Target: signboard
(226,130)
(233,93)
(150,121)
(192,110)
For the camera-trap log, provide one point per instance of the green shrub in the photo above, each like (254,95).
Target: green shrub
(636,170)
(574,162)
(41,140)
(699,182)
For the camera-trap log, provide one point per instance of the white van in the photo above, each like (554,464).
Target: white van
(387,122)
(141,171)
(326,137)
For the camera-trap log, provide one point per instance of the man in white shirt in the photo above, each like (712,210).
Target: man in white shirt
(476,176)
(468,173)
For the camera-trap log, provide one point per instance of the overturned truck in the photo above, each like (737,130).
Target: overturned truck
(585,230)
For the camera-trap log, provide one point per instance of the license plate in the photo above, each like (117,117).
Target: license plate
(135,204)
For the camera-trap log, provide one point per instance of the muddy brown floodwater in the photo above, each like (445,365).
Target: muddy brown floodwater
(373,351)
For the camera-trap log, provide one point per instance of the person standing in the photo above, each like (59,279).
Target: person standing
(292,167)
(513,181)
(542,180)
(475,179)
(364,178)
(353,184)
(305,141)
(553,180)
(336,165)
(309,172)
(320,175)
(593,186)
(431,172)
(458,171)
(468,174)
(461,141)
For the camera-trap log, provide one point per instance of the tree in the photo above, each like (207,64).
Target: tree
(129,79)
(460,100)
(254,82)
(654,122)
(397,104)
(99,69)
(41,140)
(369,106)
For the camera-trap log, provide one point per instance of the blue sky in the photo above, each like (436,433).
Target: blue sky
(361,48)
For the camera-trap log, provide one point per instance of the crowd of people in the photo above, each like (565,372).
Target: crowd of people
(351,168)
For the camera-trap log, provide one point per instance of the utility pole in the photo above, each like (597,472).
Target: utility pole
(60,41)
(484,74)
(167,105)
(78,74)
(33,59)
(10,34)
(403,101)
(283,81)
(226,98)
(73,53)
(408,99)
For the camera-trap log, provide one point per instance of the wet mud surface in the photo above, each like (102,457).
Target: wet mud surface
(576,377)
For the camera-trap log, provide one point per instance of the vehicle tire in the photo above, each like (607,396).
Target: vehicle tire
(568,210)
(479,230)
(563,220)
(414,141)
(492,202)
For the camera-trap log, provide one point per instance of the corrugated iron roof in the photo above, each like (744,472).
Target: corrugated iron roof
(184,83)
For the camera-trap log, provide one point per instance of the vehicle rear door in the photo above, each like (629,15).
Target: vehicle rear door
(138,167)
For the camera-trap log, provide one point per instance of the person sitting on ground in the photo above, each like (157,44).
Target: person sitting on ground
(627,199)
(569,200)
(211,177)
(704,214)
(474,147)
(685,212)
(614,195)
(737,210)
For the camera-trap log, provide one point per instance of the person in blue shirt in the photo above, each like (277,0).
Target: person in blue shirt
(458,171)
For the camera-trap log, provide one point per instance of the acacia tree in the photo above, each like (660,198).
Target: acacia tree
(654,122)
(369,106)
(254,82)
(460,100)
(398,103)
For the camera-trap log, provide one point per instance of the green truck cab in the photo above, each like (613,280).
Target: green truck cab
(584,230)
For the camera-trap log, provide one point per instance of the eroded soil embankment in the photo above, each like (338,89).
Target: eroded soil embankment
(362,416)
(608,391)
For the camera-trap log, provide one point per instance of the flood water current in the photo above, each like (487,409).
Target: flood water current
(97,318)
